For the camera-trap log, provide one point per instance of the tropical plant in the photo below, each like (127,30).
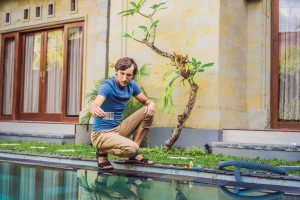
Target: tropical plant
(132,106)
(185,69)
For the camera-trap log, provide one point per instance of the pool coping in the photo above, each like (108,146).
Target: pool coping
(224,175)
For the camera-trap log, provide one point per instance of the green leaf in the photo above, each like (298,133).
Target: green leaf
(127,35)
(154,24)
(207,65)
(143,72)
(156,6)
(127,12)
(194,61)
(200,70)
(140,4)
(144,28)
(133,3)
(166,101)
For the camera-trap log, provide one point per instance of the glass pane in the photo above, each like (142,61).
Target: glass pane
(8,76)
(32,71)
(74,71)
(289,60)
(54,72)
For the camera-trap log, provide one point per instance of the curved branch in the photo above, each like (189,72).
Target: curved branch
(144,15)
(158,51)
(154,33)
(140,41)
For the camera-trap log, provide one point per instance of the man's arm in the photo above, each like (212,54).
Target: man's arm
(147,102)
(95,106)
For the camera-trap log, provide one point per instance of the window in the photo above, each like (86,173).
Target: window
(285,100)
(8,75)
(43,81)
(75,36)
(73,6)
(38,14)
(7,18)
(26,14)
(51,10)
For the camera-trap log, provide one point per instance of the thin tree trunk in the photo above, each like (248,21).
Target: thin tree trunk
(158,51)
(183,117)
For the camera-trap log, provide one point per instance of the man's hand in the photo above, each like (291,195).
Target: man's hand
(95,107)
(150,109)
(97,112)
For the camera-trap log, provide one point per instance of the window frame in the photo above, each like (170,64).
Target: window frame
(15,113)
(18,77)
(41,11)
(53,9)
(274,103)
(65,79)
(28,14)
(76,7)
(9,18)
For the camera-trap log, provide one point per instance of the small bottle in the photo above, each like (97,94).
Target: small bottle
(191,165)
(109,116)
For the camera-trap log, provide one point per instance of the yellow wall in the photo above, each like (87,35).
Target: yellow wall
(258,64)
(92,12)
(234,34)
(189,31)
(232,94)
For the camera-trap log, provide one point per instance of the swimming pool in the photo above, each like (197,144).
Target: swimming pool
(20,181)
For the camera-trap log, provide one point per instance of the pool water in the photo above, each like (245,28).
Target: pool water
(19,181)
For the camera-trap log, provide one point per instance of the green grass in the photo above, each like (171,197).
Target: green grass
(176,156)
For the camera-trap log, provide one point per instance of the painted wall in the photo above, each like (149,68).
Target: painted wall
(234,93)
(189,31)
(259,64)
(92,12)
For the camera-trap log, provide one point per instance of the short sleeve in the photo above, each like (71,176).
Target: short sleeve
(136,89)
(104,89)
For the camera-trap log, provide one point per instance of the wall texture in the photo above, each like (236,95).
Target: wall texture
(233,64)
(189,31)
(234,34)
(93,13)
(259,64)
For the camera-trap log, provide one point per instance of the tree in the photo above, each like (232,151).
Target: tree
(184,68)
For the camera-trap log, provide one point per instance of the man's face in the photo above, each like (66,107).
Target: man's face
(124,77)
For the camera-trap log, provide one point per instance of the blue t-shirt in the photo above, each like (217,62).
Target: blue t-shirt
(116,100)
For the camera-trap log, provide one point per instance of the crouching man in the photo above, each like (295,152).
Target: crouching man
(109,133)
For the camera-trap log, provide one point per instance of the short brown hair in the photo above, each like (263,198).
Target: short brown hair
(124,63)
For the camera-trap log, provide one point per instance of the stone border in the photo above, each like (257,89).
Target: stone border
(25,134)
(266,147)
(255,178)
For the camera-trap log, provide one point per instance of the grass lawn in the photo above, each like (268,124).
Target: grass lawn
(175,156)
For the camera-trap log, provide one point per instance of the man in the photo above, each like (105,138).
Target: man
(110,134)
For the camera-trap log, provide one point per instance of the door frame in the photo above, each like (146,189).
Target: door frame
(15,110)
(41,115)
(275,123)
(19,74)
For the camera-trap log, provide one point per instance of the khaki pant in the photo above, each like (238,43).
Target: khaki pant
(116,141)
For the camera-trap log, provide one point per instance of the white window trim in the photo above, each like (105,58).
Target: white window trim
(41,11)
(47,8)
(76,7)
(9,21)
(28,8)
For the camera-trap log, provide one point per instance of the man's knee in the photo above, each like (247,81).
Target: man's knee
(131,150)
(148,118)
